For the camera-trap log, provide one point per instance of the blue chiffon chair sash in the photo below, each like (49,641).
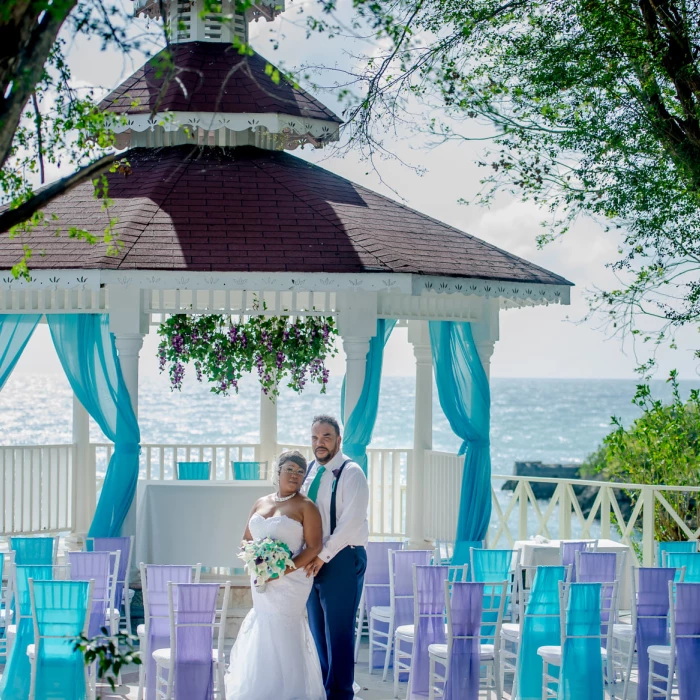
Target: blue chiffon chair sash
(14,683)
(465,613)
(193,471)
(31,551)
(541,627)
(492,566)
(429,596)
(691,562)
(61,609)
(246,471)
(687,622)
(652,618)
(685,547)
(195,607)
(582,660)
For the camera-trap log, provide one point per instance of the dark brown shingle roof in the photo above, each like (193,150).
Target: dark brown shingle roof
(245,209)
(212,78)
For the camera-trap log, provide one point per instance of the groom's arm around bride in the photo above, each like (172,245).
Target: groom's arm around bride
(339,488)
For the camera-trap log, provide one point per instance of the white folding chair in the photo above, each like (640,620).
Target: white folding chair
(494,597)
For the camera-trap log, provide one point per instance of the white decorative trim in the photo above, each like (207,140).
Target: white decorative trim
(530,293)
(284,124)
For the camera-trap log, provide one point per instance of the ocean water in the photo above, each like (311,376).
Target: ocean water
(550,420)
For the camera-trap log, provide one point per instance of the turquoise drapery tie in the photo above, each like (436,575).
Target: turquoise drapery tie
(15,332)
(89,358)
(360,424)
(465,398)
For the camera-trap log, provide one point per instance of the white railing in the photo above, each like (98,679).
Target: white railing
(37,489)
(386,474)
(518,515)
(157,462)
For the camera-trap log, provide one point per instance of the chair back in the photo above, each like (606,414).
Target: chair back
(649,615)
(193,471)
(689,562)
(60,612)
(493,565)
(249,471)
(376,585)
(567,553)
(97,567)
(541,626)
(467,605)
(684,603)
(429,620)
(29,551)
(583,635)
(123,545)
(401,581)
(192,616)
(664,548)
(596,567)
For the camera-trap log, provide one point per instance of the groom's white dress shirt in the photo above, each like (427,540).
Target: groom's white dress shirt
(352,501)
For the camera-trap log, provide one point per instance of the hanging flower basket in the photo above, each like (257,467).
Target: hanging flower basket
(223,349)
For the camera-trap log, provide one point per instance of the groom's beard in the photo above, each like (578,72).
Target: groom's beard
(325,456)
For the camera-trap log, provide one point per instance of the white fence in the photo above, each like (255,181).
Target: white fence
(386,474)
(518,515)
(37,489)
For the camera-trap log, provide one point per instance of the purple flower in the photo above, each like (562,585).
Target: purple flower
(178,343)
(162,358)
(233,334)
(244,340)
(198,369)
(178,373)
(280,360)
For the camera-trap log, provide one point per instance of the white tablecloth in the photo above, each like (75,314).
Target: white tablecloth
(189,522)
(547,554)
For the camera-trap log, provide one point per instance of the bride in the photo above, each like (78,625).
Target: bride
(274,657)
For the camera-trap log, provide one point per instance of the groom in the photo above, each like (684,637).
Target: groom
(339,488)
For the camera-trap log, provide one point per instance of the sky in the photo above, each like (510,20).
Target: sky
(548,342)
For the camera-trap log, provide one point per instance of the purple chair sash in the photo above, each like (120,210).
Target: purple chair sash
(466,606)
(123,546)
(652,619)
(157,578)
(430,602)
(195,604)
(97,566)
(377,586)
(687,616)
(568,555)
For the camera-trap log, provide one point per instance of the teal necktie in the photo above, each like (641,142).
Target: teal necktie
(315,484)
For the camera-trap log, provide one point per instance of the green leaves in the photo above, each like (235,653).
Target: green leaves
(222,350)
(110,652)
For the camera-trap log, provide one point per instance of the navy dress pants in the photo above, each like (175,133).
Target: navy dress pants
(332,609)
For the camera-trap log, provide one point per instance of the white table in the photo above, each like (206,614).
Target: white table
(535,553)
(186,522)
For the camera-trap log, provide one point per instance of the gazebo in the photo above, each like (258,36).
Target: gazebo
(217,216)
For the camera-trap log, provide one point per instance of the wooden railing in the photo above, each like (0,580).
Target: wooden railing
(37,489)
(518,515)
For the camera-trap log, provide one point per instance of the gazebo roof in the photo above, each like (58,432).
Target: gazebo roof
(212,78)
(246,209)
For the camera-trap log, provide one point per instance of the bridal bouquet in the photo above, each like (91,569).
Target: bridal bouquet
(265,559)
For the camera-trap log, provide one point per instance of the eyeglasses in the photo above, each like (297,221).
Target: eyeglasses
(290,471)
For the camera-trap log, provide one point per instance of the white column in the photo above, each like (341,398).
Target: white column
(357,323)
(419,337)
(129,324)
(268,430)
(86,480)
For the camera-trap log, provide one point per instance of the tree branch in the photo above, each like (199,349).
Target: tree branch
(26,210)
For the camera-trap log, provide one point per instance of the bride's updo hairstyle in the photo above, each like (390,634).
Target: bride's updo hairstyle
(288,456)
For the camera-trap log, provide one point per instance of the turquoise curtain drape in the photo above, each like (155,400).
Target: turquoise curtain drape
(360,424)
(88,354)
(15,332)
(463,390)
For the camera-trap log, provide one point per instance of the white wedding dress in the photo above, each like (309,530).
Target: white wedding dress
(274,657)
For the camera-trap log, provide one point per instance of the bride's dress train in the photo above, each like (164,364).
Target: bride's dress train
(274,657)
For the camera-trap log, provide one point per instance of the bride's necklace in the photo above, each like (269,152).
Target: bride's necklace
(280,499)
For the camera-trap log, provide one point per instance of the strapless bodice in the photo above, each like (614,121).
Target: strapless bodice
(278,527)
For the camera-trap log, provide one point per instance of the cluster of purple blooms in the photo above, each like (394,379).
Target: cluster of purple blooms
(177,374)
(178,343)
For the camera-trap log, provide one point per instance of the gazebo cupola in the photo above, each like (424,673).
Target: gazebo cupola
(203,91)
